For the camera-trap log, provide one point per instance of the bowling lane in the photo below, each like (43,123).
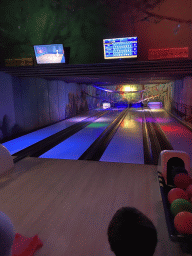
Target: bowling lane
(76,145)
(27,140)
(127,143)
(177,134)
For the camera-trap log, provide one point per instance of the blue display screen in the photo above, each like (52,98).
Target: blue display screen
(117,48)
(53,53)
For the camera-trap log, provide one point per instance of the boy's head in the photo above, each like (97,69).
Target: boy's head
(130,232)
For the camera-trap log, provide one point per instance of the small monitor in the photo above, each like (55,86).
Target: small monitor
(106,105)
(48,54)
(118,48)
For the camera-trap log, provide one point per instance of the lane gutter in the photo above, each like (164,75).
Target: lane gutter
(146,142)
(158,139)
(97,148)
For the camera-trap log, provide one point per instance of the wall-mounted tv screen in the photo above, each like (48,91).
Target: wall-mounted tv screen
(118,48)
(48,54)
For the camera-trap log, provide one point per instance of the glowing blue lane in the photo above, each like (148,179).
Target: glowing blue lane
(127,143)
(27,140)
(76,145)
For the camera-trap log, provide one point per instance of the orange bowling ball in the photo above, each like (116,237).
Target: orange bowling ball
(183,222)
(182,180)
(176,193)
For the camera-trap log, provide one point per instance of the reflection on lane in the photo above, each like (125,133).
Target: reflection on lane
(76,145)
(177,134)
(128,123)
(127,144)
(29,139)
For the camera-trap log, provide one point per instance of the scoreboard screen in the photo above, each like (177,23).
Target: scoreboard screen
(118,48)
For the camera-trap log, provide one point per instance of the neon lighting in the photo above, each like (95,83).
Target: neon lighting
(125,90)
(128,123)
(170,128)
(120,92)
(168,53)
(97,125)
(27,140)
(155,105)
(179,131)
(150,120)
(128,89)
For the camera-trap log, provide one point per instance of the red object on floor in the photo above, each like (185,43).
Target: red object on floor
(25,246)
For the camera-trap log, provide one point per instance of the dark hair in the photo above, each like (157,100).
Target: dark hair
(130,232)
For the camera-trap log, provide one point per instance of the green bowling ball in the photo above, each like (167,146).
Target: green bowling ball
(180,205)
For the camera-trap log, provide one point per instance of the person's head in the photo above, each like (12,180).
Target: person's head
(130,232)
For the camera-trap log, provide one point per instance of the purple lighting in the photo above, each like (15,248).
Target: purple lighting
(150,120)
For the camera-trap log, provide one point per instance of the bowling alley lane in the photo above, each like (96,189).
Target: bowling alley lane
(29,139)
(178,135)
(76,145)
(127,143)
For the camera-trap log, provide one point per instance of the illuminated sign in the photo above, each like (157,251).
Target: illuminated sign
(168,53)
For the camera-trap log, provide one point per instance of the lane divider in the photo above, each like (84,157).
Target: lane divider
(158,139)
(97,148)
(146,142)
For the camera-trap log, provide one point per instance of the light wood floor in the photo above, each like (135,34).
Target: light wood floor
(69,203)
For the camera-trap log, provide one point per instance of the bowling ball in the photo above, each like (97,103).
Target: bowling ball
(189,191)
(177,170)
(180,205)
(176,193)
(183,222)
(182,180)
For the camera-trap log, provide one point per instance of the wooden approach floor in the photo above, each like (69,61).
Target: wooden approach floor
(69,203)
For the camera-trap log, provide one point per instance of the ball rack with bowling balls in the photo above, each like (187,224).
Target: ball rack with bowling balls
(176,202)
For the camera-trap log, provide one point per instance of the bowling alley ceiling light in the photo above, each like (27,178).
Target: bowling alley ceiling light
(129,88)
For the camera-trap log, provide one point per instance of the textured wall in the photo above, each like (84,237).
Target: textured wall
(162,34)
(187,91)
(7,113)
(31,103)
(177,91)
(53,101)
(182,96)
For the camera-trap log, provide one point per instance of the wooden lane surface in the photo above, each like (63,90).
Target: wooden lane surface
(69,203)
